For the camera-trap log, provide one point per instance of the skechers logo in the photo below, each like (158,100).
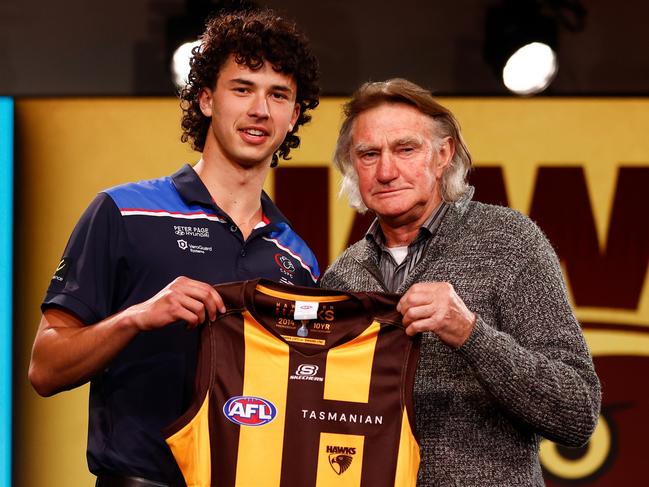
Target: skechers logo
(307,369)
(249,410)
(307,372)
(340,458)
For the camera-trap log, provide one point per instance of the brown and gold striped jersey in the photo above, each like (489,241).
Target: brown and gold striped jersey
(283,401)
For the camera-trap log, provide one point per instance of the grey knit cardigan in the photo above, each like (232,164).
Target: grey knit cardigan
(525,371)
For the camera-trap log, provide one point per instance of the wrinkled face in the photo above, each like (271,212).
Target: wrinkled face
(399,161)
(251,111)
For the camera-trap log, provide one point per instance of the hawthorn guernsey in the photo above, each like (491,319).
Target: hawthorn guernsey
(291,402)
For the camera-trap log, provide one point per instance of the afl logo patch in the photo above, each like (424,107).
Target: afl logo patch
(285,264)
(249,410)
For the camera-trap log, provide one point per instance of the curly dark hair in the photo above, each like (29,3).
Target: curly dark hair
(252,37)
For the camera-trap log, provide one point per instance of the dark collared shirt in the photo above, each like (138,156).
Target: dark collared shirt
(393,273)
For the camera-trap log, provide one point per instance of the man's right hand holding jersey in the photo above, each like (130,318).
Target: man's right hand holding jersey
(67,352)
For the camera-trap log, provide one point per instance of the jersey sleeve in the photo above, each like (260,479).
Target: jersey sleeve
(85,279)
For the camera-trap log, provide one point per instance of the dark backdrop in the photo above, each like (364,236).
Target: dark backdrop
(80,47)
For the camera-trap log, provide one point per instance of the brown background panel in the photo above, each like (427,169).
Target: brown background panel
(360,225)
(489,185)
(302,193)
(612,276)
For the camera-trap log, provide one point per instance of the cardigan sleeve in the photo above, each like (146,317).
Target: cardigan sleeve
(536,363)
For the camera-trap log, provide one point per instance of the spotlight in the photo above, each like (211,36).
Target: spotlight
(180,63)
(522,38)
(515,31)
(530,69)
(183,30)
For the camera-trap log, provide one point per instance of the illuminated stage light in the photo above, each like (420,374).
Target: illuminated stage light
(183,29)
(180,63)
(531,69)
(521,40)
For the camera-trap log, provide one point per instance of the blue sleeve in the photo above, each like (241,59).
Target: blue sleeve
(84,282)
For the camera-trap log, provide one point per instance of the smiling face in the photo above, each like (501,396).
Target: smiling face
(399,161)
(251,112)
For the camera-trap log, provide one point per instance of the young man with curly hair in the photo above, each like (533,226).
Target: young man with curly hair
(136,275)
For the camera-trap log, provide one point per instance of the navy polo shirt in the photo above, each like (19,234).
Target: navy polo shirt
(131,242)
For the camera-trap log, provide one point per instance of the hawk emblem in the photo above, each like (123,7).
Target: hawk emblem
(340,463)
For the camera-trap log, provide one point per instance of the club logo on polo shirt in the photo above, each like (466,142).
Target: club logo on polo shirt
(285,264)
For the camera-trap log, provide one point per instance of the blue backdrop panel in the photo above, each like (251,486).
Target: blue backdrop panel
(6,258)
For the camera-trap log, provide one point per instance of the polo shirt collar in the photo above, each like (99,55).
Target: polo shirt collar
(192,190)
(271,211)
(190,187)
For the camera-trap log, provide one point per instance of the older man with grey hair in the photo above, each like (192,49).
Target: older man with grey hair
(503,361)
